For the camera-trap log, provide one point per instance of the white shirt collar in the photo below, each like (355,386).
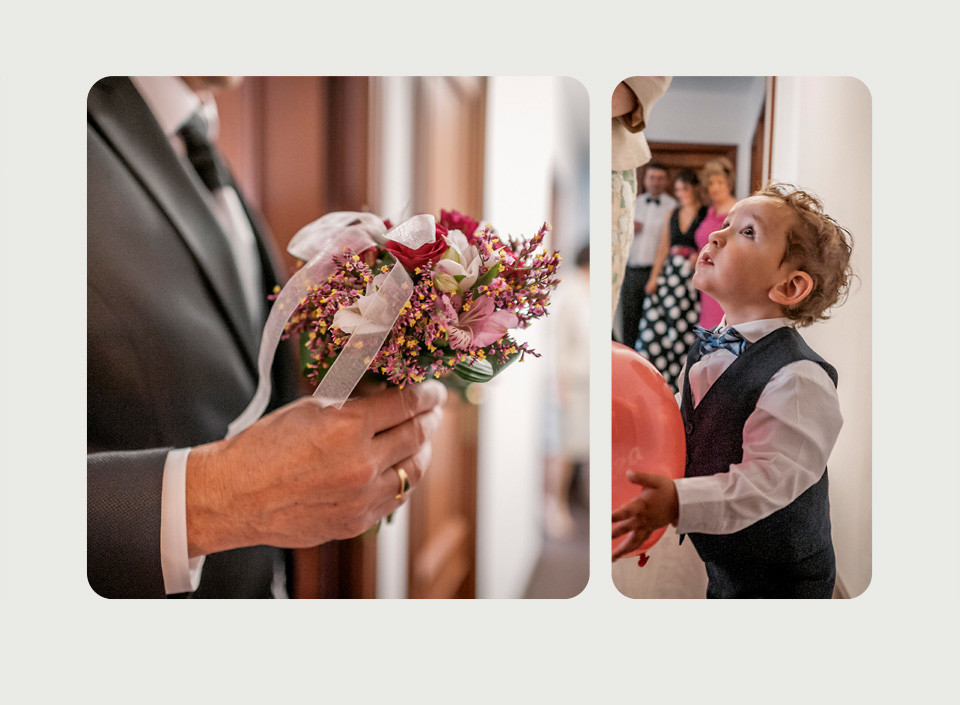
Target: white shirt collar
(663,197)
(755,330)
(172,102)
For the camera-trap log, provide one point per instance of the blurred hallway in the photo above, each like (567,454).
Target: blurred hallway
(563,567)
(673,571)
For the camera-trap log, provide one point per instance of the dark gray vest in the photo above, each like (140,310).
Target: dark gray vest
(791,546)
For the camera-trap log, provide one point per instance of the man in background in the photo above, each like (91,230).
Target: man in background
(653,209)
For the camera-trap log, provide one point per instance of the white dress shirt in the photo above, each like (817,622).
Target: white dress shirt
(173,103)
(786,442)
(643,251)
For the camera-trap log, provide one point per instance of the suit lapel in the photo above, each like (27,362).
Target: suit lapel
(115,107)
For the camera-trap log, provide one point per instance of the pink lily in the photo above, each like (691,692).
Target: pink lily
(477,327)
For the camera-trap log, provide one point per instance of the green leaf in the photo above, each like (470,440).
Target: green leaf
(483,370)
(305,356)
(478,371)
(488,276)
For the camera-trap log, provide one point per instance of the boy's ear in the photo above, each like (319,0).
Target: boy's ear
(792,290)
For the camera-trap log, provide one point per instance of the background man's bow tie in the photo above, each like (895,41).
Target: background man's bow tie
(651,199)
(728,340)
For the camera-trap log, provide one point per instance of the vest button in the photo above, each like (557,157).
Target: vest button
(688,427)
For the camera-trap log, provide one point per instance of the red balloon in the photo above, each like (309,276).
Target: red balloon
(647,429)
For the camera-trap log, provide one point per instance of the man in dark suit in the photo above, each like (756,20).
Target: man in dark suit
(172,339)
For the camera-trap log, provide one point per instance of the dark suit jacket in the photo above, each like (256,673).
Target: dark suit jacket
(170,349)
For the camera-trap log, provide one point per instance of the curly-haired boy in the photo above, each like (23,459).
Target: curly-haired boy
(760,408)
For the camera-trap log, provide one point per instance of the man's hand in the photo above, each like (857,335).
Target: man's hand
(304,474)
(656,506)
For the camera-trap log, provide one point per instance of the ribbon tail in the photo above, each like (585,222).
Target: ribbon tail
(362,347)
(321,241)
(283,308)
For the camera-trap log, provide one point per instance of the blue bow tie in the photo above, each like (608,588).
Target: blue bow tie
(729,340)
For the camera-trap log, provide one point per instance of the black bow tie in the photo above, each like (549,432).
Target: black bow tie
(711,341)
(651,199)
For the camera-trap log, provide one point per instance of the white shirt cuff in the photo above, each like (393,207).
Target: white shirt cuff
(180,572)
(702,504)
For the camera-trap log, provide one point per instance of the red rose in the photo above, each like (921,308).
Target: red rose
(423,255)
(369,255)
(455,220)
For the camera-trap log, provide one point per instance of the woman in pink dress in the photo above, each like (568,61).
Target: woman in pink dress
(718,177)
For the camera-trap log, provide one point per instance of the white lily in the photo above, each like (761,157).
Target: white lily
(368,314)
(457,271)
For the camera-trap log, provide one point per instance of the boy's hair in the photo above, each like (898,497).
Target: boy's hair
(817,245)
(721,166)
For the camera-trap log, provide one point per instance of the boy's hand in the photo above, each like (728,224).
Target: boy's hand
(657,506)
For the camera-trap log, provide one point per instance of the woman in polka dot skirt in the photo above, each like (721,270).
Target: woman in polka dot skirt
(671,309)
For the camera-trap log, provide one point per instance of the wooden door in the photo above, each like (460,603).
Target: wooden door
(449,150)
(299,149)
(678,155)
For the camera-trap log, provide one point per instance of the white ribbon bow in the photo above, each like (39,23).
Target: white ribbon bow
(316,244)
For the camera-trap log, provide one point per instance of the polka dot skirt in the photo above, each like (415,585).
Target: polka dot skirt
(669,316)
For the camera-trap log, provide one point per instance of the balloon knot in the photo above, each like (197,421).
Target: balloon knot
(642,559)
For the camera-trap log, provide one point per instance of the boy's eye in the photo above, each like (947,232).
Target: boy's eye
(748,232)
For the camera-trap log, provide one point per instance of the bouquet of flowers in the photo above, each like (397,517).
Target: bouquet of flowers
(422,299)
(469,287)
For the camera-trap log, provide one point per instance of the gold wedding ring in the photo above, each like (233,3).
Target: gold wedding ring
(404,484)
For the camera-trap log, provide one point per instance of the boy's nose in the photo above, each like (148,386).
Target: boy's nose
(717,237)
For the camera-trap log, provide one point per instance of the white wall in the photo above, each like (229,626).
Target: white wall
(822,142)
(536,141)
(711,110)
(509,484)
(532,129)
